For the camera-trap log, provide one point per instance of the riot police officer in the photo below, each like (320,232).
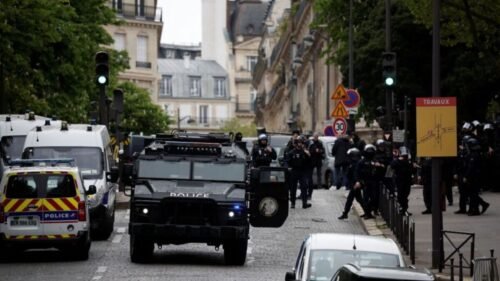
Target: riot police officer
(365,177)
(403,170)
(472,178)
(354,156)
(317,155)
(262,153)
(297,159)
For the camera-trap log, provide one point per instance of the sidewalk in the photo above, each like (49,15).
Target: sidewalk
(486,228)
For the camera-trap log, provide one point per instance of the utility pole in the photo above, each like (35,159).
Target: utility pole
(351,49)
(437,215)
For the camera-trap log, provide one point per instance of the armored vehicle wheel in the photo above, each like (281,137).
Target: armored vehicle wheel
(141,249)
(235,251)
(81,251)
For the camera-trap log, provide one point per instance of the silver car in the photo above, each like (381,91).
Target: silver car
(322,254)
(327,171)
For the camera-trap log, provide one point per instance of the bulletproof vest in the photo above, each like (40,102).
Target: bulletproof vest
(297,158)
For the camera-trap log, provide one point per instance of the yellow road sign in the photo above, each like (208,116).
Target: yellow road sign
(339,93)
(437,127)
(340,111)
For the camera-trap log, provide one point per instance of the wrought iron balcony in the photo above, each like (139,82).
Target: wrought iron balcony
(137,12)
(242,107)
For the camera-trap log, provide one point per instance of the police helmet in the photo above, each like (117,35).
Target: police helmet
(488,126)
(369,148)
(476,123)
(403,151)
(262,137)
(379,142)
(354,153)
(467,126)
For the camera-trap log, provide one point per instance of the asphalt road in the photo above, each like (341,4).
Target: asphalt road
(270,254)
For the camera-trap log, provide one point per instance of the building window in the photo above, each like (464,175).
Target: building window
(139,8)
(251,62)
(142,49)
(220,87)
(195,86)
(203,117)
(119,41)
(166,86)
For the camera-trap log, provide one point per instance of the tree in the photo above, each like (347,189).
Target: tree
(140,114)
(234,125)
(46,54)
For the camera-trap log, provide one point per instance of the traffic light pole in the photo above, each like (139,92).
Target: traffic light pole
(437,215)
(103,115)
(388,90)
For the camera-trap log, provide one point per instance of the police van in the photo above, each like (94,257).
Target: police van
(90,146)
(43,204)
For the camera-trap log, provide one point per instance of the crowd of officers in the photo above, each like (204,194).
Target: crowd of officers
(366,169)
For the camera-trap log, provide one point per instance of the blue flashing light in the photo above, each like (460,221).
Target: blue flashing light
(237,207)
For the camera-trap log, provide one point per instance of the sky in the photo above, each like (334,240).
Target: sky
(181,21)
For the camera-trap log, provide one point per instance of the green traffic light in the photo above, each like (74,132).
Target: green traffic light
(102,80)
(389,81)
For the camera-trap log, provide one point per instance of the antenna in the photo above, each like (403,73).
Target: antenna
(354,242)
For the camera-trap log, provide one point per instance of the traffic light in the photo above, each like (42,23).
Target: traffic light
(102,68)
(389,68)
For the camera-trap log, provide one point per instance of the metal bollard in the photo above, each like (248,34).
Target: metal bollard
(412,251)
(452,271)
(460,268)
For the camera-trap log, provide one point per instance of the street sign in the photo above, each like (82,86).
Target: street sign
(353,99)
(328,131)
(398,136)
(340,111)
(339,127)
(339,93)
(437,127)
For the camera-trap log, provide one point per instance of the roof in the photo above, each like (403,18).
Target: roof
(196,67)
(384,273)
(76,136)
(18,126)
(181,47)
(15,169)
(248,17)
(338,241)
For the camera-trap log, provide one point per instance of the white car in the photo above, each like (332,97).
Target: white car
(44,206)
(322,254)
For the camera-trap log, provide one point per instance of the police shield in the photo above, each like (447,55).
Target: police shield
(268,196)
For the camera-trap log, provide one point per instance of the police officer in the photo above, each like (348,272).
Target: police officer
(355,192)
(339,151)
(317,155)
(262,153)
(365,177)
(472,178)
(463,152)
(297,159)
(238,140)
(403,170)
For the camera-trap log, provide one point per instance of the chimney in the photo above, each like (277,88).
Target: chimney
(187,60)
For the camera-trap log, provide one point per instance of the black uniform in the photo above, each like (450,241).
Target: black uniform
(355,192)
(339,151)
(426,174)
(297,159)
(472,179)
(317,155)
(366,175)
(263,155)
(403,170)
(462,188)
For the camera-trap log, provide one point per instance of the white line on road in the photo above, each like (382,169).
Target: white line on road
(121,229)
(98,277)
(102,269)
(117,239)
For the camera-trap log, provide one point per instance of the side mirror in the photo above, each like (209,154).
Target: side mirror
(290,276)
(91,190)
(112,175)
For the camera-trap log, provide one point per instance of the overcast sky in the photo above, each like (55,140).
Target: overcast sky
(181,21)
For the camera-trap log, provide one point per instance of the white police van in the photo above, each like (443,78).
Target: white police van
(43,204)
(90,146)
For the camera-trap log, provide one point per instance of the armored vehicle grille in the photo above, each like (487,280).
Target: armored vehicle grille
(189,212)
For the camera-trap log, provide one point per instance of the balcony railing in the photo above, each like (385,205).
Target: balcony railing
(143,64)
(245,107)
(138,12)
(201,122)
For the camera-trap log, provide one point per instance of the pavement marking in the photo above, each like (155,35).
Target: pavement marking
(102,269)
(117,239)
(121,229)
(98,277)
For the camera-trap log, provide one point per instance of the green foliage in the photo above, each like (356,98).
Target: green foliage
(47,52)
(234,125)
(140,114)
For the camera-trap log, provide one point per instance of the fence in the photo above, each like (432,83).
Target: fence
(457,247)
(402,225)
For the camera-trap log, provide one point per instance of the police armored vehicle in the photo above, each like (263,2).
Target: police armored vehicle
(198,188)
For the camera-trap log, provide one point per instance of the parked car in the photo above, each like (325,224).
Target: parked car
(352,272)
(327,171)
(322,254)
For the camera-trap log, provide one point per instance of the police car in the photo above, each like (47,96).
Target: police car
(43,204)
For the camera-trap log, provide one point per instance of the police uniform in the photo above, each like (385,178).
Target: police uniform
(317,155)
(262,153)
(297,159)
(365,176)
(355,192)
(472,178)
(403,170)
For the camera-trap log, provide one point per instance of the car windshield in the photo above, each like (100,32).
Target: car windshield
(161,169)
(232,172)
(324,263)
(13,146)
(88,159)
(34,185)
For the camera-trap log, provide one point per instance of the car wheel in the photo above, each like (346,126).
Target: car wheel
(235,251)
(81,252)
(141,249)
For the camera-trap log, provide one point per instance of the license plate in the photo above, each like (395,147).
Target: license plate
(23,221)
